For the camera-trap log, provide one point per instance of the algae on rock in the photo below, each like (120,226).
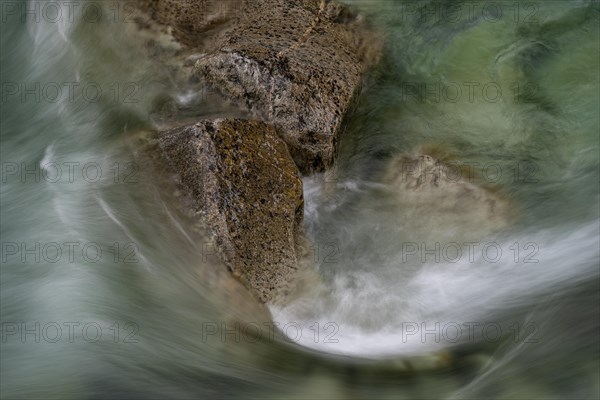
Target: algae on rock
(241,178)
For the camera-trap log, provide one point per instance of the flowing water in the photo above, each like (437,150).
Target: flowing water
(109,289)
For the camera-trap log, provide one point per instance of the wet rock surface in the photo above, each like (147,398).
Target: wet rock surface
(242,181)
(192,23)
(425,186)
(297,64)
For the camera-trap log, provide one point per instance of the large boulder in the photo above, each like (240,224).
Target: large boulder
(241,179)
(298,64)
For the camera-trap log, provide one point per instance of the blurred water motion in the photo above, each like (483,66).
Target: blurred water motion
(109,290)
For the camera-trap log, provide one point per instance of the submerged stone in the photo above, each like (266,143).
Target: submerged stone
(440,198)
(242,181)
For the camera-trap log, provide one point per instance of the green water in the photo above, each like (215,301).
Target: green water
(167,309)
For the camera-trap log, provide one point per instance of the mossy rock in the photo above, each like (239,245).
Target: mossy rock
(244,183)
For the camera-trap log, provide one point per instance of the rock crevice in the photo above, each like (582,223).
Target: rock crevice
(243,182)
(299,66)
(296,65)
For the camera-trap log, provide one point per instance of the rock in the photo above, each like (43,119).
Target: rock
(442,198)
(297,64)
(192,23)
(242,181)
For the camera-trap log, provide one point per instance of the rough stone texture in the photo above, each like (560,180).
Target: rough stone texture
(194,23)
(453,200)
(242,179)
(297,64)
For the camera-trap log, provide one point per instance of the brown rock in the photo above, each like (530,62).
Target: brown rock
(297,64)
(441,197)
(194,23)
(241,178)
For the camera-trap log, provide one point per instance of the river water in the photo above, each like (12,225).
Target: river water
(109,289)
